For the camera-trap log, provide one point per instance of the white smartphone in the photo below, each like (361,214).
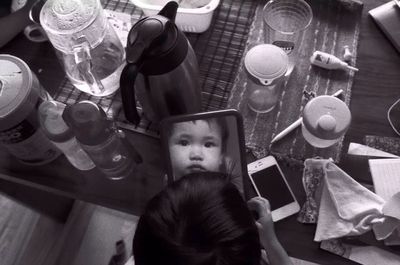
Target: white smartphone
(269,182)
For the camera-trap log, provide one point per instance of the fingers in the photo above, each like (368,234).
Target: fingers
(260,205)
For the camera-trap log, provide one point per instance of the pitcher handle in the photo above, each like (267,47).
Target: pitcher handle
(127,87)
(83,60)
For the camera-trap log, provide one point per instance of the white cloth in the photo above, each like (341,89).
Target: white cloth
(346,208)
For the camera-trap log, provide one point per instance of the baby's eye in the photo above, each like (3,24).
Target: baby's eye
(183,142)
(210,144)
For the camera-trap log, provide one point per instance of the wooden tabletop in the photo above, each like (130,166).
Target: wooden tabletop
(376,87)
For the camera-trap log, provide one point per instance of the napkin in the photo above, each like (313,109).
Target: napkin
(343,207)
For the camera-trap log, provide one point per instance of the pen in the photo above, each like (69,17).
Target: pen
(295,124)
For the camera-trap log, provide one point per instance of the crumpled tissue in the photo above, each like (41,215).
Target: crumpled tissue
(343,207)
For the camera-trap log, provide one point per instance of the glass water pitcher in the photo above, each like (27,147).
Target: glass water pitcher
(86,44)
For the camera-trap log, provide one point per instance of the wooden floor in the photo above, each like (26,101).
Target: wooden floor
(88,236)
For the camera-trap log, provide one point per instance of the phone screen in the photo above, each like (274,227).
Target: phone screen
(272,186)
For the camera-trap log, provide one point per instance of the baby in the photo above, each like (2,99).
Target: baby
(198,146)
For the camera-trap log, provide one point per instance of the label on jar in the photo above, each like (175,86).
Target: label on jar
(28,143)
(33,149)
(18,133)
(287,46)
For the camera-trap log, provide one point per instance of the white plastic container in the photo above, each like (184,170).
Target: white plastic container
(325,120)
(194,20)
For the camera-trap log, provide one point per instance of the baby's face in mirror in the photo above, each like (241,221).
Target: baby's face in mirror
(195,146)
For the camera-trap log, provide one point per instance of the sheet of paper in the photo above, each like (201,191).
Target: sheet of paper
(363,150)
(386,176)
(362,254)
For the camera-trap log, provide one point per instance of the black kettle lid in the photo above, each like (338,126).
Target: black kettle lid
(156,43)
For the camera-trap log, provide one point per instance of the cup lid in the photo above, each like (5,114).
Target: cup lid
(326,117)
(67,22)
(266,62)
(68,16)
(17,99)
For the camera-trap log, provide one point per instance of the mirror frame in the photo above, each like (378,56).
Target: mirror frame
(201,116)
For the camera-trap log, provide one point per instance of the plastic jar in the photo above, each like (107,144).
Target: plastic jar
(325,120)
(20,96)
(266,66)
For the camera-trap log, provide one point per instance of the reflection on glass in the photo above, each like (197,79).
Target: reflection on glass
(209,144)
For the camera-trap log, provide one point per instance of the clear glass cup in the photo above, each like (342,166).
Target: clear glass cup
(284,24)
(88,47)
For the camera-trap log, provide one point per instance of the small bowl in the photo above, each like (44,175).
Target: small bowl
(196,20)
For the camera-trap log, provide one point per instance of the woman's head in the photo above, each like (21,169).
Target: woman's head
(197,146)
(200,219)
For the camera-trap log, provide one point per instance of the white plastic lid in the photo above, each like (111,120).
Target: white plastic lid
(17,98)
(266,62)
(326,117)
(61,19)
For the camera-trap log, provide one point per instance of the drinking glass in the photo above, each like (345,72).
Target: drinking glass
(393,116)
(284,24)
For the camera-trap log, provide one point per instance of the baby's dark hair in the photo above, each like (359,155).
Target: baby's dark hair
(201,219)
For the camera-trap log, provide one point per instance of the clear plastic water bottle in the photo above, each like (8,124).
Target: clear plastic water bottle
(105,145)
(58,132)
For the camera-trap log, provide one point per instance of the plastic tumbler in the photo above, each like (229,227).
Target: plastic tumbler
(266,66)
(284,24)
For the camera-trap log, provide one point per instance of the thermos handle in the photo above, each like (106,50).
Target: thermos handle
(83,60)
(127,86)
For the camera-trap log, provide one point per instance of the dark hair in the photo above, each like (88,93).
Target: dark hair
(201,219)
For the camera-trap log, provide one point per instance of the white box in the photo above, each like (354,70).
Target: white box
(195,20)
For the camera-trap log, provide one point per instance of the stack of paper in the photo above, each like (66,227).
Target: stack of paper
(385,176)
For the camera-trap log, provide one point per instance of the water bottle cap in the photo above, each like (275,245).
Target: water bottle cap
(52,123)
(88,122)
(266,62)
(326,117)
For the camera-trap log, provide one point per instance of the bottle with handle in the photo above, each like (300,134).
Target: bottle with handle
(86,44)
(161,71)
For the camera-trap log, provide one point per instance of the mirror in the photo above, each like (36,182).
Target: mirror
(208,141)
